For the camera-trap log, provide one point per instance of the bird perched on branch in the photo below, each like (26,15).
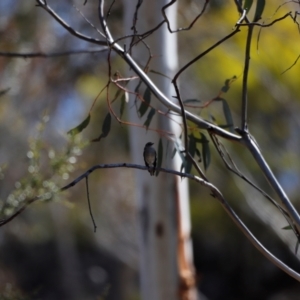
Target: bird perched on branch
(150,157)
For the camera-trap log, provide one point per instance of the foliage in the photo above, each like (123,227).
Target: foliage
(37,184)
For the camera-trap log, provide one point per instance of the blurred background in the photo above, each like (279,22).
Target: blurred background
(51,251)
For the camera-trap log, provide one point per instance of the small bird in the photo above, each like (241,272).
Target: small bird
(150,157)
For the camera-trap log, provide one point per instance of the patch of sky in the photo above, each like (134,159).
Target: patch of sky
(70,111)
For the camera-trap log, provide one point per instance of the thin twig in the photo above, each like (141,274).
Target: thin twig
(134,21)
(244,112)
(46,55)
(295,62)
(182,28)
(185,130)
(242,12)
(88,21)
(205,52)
(233,168)
(19,211)
(89,202)
(44,5)
(103,22)
(289,14)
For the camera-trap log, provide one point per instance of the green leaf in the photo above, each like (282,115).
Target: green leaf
(159,73)
(226,87)
(173,152)
(182,166)
(177,144)
(191,101)
(80,127)
(145,104)
(159,156)
(192,151)
(212,118)
(198,154)
(138,87)
(106,125)
(205,151)
(260,6)
(105,128)
(288,227)
(227,114)
(3,92)
(117,94)
(122,106)
(149,117)
(247,5)
(227,84)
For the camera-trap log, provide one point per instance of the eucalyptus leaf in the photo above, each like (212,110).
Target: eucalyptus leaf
(260,6)
(190,101)
(192,151)
(227,114)
(106,125)
(205,151)
(247,5)
(149,117)
(80,127)
(105,128)
(122,106)
(145,104)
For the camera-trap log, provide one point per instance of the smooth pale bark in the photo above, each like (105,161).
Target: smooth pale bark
(166,267)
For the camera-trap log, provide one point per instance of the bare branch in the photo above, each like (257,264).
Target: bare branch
(295,62)
(103,22)
(244,112)
(185,129)
(205,52)
(243,13)
(183,28)
(251,145)
(289,14)
(48,55)
(45,6)
(242,18)
(277,262)
(233,168)
(20,210)
(215,193)
(89,202)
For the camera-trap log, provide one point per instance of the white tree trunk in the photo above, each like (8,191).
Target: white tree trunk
(166,264)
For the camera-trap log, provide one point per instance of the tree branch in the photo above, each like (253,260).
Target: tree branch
(244,112)
(182,28)
(215,193)
(45,6)
(251,145)
(46,55)
(233,168)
